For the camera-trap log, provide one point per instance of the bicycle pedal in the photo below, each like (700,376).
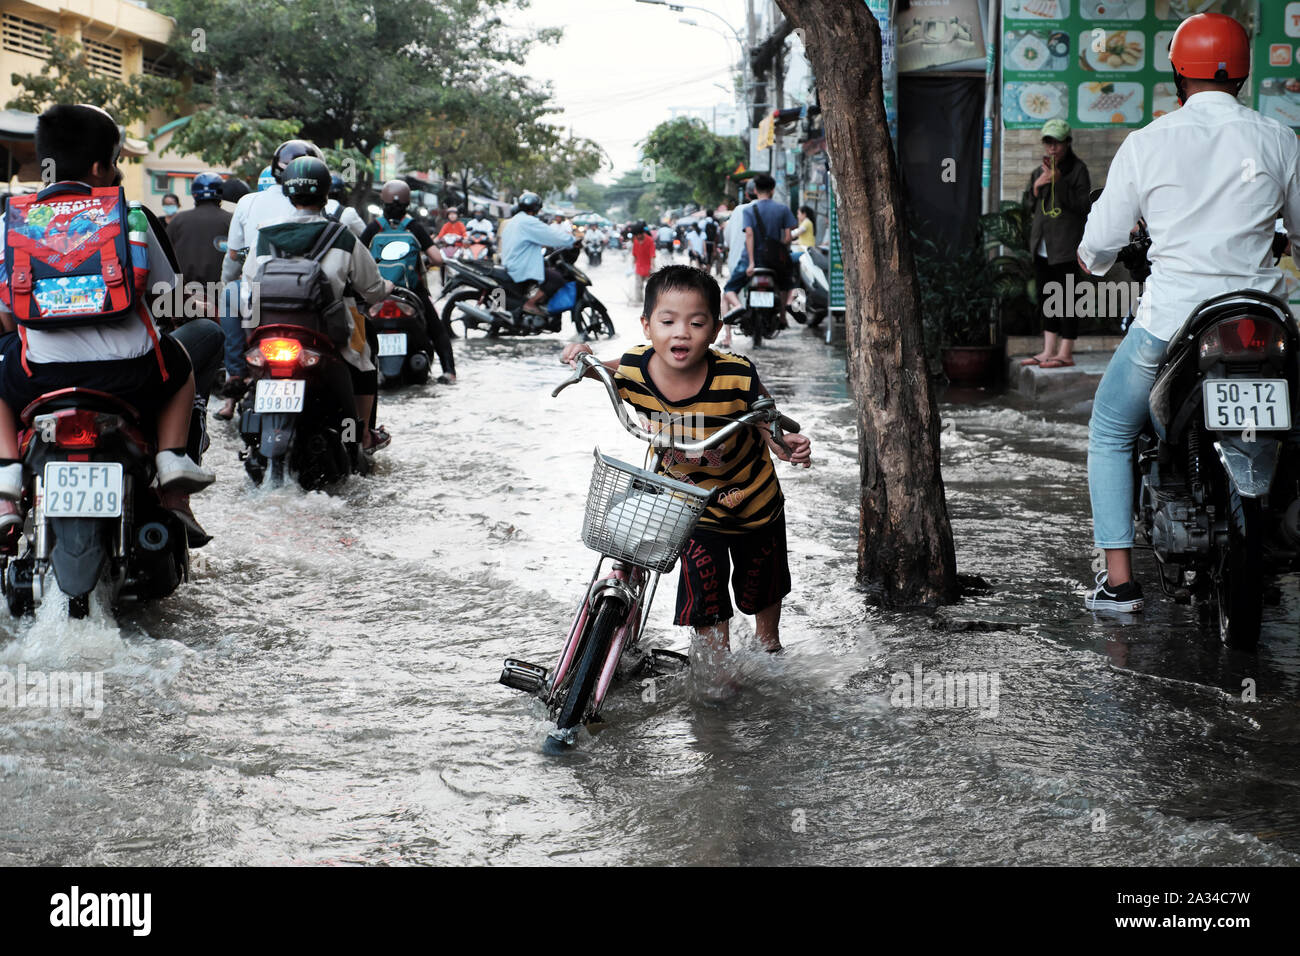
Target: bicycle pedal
(668,663)
(521,675)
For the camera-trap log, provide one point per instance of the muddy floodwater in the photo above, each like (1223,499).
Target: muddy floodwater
(325,690)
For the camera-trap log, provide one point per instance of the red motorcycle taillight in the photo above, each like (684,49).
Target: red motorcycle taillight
(280,351)
(761,282)
(77,428)
(1250,338)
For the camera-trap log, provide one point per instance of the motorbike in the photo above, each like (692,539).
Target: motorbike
(293,418)
(402,338)
(594,247)
(94,513)
(481,295)
(640,521)
(761,306)
(812,296)
(478,246)
(1217,468)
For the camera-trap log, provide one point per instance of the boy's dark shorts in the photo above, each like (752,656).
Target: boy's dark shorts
(759,569)
(136,381)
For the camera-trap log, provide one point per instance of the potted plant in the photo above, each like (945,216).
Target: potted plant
(1006,240)
(957,301)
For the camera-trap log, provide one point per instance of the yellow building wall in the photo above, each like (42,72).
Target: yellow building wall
(134,31)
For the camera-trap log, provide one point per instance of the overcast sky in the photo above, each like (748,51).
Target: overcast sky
(623,65)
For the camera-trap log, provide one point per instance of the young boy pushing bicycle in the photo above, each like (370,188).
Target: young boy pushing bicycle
(679,375)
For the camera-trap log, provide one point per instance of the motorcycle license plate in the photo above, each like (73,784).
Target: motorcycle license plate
(1240,403)
(762,300)
(83,489)
(392,343)
(280,395)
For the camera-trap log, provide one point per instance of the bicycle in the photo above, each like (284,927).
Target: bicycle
(640,521)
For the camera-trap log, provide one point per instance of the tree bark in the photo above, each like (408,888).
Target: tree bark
(905,545)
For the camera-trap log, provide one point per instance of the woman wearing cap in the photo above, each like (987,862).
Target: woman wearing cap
(1057,198)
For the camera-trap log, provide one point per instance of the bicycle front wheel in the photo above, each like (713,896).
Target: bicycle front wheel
(591,662)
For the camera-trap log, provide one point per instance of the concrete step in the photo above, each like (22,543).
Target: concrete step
(1069,388)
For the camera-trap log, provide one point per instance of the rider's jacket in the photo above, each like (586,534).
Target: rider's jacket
(347,264)
(1209,179)
(522,240)
(484,225)
(349,217)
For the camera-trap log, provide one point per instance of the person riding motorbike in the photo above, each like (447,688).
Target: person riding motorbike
(482,222)
(192,232)
(396,199)
(523,239)
(347,264)
(269,203)
(126,357)
(1208,179)
(336,209)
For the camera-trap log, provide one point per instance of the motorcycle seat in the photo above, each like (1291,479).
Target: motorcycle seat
(89,398)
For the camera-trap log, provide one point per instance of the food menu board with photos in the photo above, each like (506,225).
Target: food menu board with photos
(1277,61)
(1095,63)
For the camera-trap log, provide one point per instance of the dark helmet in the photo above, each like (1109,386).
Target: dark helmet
(395,191)
(306,178)
(208,186)
(530,203)
(338,188)
(290,150)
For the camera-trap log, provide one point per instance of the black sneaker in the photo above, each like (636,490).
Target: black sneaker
(1126,597)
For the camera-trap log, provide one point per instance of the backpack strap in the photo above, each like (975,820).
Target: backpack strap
(325,242)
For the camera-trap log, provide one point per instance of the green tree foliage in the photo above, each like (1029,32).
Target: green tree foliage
(694,156)
(66,77)
(348,72)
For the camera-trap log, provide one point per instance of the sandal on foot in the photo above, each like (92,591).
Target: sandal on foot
(1029,361)
(1056,363)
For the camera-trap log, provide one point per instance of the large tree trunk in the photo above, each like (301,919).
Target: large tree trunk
(905,547)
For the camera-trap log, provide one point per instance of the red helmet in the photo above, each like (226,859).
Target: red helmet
(1211,46)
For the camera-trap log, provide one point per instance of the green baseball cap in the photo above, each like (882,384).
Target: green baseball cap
(1057,129)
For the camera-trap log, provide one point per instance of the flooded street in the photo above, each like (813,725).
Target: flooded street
(325,690)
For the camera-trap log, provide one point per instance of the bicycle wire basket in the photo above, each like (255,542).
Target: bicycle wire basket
(635,515)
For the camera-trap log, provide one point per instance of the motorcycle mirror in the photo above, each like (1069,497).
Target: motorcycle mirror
(395,250)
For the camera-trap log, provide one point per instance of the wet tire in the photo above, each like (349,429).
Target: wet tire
(1239,591)
(591,660)
(594,321)
(449,311)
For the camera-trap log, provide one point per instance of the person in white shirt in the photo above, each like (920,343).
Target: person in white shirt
(482,222)
(337,211)
(1209,180)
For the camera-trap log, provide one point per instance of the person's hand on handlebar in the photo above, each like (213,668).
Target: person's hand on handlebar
(800,449)
(571,352)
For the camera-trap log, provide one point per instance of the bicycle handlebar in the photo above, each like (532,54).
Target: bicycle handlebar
(763,411)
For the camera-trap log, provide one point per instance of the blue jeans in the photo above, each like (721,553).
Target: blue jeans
(231,325)
(1119,413)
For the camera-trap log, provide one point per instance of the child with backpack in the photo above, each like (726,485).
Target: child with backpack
(78,260)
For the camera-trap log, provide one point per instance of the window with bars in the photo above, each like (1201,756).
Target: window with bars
(157,67)
(26,37)
(102,57)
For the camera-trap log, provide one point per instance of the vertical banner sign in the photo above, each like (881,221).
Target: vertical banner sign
(888,65)
(1277,62)
(1097,63)
(836,277)
(990,77)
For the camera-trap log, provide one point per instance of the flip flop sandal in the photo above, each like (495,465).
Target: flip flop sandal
(1055,363)
(1029,361)
(379,438)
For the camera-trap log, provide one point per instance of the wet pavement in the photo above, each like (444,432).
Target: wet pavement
(325,691)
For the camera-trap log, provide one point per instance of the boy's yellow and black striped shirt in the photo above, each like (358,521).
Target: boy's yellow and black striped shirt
(750,495)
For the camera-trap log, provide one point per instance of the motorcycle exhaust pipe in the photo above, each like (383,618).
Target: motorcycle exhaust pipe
(153,536)
(419,362)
